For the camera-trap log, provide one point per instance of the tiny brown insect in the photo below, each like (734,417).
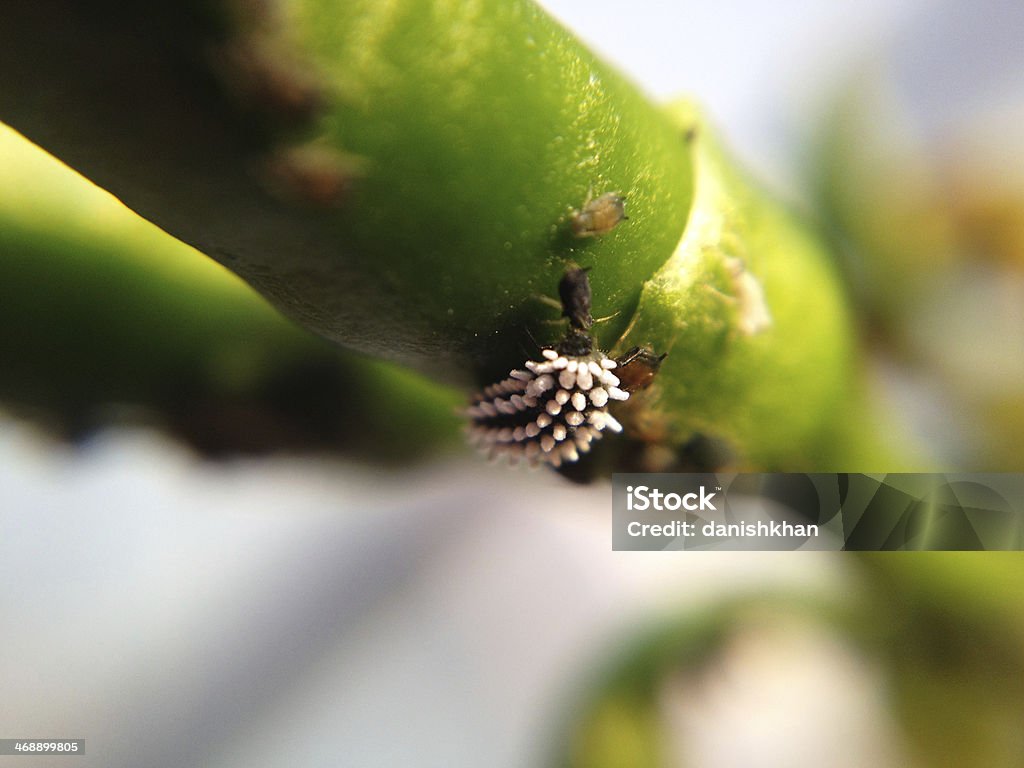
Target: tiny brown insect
(637,368)
(599,215)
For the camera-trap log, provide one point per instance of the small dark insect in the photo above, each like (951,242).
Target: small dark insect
(574,291)
(638,367)
(599,216)
(553,410)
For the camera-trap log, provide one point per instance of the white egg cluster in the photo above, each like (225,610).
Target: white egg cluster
(549,413)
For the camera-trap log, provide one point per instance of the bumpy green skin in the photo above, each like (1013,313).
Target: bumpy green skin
(399,177)
(477,128)
(396,176)
(773,379)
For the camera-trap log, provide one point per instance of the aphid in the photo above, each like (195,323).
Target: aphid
(574,292)
(554,409)
(599,216)
(638,367)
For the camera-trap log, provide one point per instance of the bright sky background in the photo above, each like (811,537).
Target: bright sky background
(759,68)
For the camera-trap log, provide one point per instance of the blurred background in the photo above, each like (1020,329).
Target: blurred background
(220,545)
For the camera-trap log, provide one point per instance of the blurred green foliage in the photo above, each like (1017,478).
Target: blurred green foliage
(929,233)
(103,317)
(945,631)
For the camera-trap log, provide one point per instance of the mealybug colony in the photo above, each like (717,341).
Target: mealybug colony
(553,410)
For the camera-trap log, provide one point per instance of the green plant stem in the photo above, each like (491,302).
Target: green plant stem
(399,177)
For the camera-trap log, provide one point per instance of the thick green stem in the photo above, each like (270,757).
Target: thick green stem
(105,318)
(400,177)
(396,176)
